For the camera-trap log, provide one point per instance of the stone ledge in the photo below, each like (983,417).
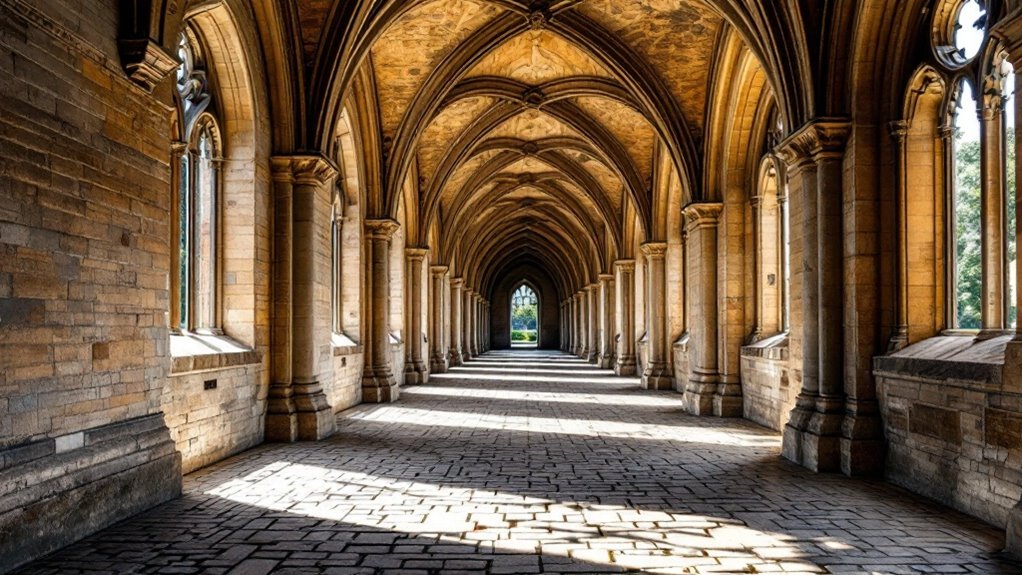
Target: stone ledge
(947,358)
(773,348)
(192,353)
(49,501)
(344,345)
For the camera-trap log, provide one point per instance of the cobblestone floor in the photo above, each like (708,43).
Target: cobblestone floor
(528,462)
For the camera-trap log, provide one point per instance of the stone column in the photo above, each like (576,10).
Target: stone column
(593,305)
(606,315)
(297,408)
(583,324)
(658,373)
(457,315)
(625,284)
(572,328)
(378,382)
(438,352)
(467,350)
(813,435)
(415,365)
(704,392)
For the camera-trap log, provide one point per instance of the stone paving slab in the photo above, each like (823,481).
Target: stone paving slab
(534,463)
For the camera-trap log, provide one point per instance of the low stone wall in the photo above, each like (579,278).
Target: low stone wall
(953,424)
(82,482)
(346,388)
(767,394)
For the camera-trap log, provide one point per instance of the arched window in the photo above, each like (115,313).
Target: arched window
(967,271)
(524,316)
(197,226)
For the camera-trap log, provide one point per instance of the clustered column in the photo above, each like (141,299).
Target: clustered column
(378,382)
(625,284)
(415,365)
(657,374)
(606,315)
(297,407)
(438,349)
(457,353)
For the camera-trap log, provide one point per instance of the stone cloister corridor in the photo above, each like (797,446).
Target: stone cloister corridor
(534,462)
(512,286)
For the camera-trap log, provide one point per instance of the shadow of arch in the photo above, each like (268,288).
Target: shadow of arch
(500,318)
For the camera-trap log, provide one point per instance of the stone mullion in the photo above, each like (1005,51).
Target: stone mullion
(992,217)
(456,352)
(415,367)
(378,382)
(438,352)
(658,374)
(177,152)
(900,338)
(625,287)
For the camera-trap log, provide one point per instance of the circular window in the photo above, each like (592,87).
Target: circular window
(959,31)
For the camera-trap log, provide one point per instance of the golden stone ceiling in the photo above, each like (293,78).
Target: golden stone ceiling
(552,110)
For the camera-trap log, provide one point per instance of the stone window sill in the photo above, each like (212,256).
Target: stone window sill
(192,352)
(774,347)
(344,345)
(961,358)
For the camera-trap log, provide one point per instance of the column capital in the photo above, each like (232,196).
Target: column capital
(439,270)
(654,250)
(458,283)
(898,129)
(702,215)
(625,265)
(606,278)
(416,253)
(1009,32)
(823,137)
(580,294)
(304,169)
(595,286)
(380,229)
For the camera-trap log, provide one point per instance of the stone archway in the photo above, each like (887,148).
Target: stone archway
(548,321)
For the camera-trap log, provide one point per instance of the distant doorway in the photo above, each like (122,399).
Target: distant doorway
(524,318)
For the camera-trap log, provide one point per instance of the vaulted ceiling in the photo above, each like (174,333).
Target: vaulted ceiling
(539,130)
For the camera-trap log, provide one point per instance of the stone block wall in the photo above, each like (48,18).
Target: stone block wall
(953,424)
(767,393)
(345,388)
(84,261)
(215,414)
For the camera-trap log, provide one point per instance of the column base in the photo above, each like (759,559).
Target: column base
(415,373)
(583,353)
(281,424)
(605,361)
(454,359)
(314,417)
(658,377)
(625,366)
(727,402)
(593,357)
(1013,535)
(438,364)
(798,421)
(899,340)
(863,448)
(379,386)
(818,446)
(698,398)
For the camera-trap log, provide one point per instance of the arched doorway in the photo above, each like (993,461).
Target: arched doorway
(524,320)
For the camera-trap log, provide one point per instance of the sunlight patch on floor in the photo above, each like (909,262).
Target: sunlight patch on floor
(634,400)
(495,521)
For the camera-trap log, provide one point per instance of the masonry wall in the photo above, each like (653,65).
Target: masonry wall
(84,261)
(767,393)
(954,424)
